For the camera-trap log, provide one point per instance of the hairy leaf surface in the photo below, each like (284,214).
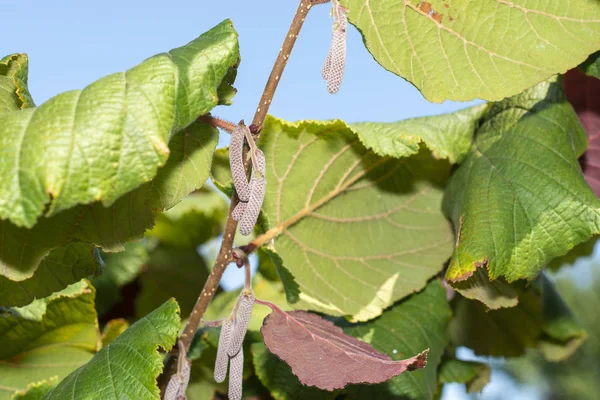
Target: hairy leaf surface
(129,365)
(418,322)
(354,232)
(50,337)
(127,219)
(519,199)
(465,49)
(321,355)
(96,144)
(448,136)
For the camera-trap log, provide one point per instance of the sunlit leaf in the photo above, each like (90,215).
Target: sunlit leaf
(354,232)
(129,365)
(465,49)
(185,171)
(519,199)
(50,337)
(101,142)
(448,136)
(14,94)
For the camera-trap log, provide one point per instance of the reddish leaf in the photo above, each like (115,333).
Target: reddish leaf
(582,91)
(322,355)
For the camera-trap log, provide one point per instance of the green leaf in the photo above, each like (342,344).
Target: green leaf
(519,199)
(63,266)
(14,94)
(264,289)
(186,170)
(128,366)
(35,391)
(220,172)
(476,49)
(96,144)
(198,218)
(413,324)
(112,330)
(354,232)
(541,319)
(582,250)
(171,272)
(448,136)
(277,376)
(50,337)
(591,66)
(474,375)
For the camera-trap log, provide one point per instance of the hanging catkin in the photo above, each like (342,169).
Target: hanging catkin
(236,162)
(257,195)
(335,62)
(242,319)
(222,350)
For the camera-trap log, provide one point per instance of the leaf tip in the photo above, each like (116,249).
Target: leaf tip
(419,361)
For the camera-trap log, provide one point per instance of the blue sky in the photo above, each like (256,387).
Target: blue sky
(72,43)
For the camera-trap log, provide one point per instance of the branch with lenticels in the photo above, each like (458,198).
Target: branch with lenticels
(225,255)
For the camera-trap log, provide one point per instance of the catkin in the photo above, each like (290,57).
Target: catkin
(236,374)
(242,319)
(335,62)
(239,210)
(257,194)
(178,384)
(236,162)
(222,357)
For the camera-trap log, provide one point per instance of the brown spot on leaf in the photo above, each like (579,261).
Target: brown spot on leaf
(446,5)
(437,17)
(425,7)
(451,19)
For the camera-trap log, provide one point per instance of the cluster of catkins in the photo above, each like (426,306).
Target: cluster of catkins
(251,194)
(230,351)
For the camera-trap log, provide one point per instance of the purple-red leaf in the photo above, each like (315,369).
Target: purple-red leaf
(322,355)
(583,94)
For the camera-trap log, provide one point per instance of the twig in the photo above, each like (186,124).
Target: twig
(218,122)
(282,59)
(225,256)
